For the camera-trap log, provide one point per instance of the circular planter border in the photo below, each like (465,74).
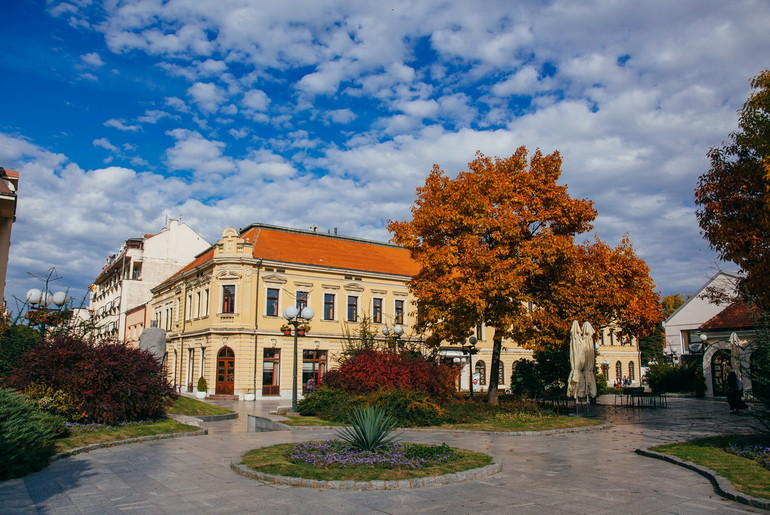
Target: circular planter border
(378,484)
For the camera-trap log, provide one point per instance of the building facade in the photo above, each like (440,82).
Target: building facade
(9,184)
(223,312)
(682,326)
(128,276)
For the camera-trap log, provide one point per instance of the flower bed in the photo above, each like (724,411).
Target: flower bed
(334,453)
(758,453)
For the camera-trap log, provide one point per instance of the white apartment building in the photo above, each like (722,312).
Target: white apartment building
(141,264)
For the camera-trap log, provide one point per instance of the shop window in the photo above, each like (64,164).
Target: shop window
(271,372)
(313,367)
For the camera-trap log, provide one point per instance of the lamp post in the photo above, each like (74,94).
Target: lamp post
(40,300)
(295,317)
(469,349)
(397,331)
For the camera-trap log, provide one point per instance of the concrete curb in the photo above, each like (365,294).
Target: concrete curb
(148,438)
(403,484)
(721,485)
(467,431)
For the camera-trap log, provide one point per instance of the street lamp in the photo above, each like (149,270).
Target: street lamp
(40,300)
(397,331)
(295,317)
(469,349)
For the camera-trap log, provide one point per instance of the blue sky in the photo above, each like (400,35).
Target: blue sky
(119,114)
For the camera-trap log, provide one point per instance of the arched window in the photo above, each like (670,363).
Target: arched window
(631,371)
(481,370)
(618,370)
(501,374)
(606,370)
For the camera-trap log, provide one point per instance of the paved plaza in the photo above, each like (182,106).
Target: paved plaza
(593,471)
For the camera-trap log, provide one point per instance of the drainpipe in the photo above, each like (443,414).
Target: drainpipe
(256,324)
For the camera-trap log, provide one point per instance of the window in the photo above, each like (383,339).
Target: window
(606,370)
(271,371)
(481,372)
(228,298)
(479,331)
(197,304)
(618,370)
(206,302)
(272,302)
(313,366)
(377,311)
(302,297)
(631,370)
(501,374)
(328,306)
(352,308)
(399,312)
(189,306)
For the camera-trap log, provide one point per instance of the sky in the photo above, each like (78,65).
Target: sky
(120,114)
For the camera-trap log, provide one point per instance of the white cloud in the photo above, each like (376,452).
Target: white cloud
(342,116)
(208,96)
(92,59)
(105,144)
(256,99)
(121,125)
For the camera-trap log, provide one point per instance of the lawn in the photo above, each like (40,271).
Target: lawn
(81,435)
(307,421)
(272,460)
(193,408)
(746,475)
(91,434)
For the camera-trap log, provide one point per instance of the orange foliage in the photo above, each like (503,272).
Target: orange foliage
(734,195)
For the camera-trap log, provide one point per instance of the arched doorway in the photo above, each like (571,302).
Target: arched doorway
(719,364)
(225,371)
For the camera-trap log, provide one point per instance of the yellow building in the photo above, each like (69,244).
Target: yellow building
(223,311)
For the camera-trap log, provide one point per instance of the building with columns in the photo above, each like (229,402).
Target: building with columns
(222,312)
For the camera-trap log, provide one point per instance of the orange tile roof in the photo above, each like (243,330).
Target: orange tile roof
(199,260)
(306,248)
(737,315)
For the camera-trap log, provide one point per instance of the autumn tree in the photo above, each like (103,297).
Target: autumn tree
(496,247)
(733,197)
(671,303)
(486,241)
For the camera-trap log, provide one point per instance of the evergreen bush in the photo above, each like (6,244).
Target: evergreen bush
(525,378)
(26,435)
(202,385)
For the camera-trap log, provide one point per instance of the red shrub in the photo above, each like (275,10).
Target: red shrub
(373,370)
(111,381)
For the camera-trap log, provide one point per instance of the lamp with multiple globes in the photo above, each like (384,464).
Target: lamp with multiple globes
(295,317)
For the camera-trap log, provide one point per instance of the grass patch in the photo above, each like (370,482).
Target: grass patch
(86,435)
(746,476)
(516,424)
(193,408)
(308,421)
(272,460)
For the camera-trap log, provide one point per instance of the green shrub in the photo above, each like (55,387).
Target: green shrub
(202,385)
(408,408)
(666,377)
(466,411)
(328,403)
(26,435)
(56,402)
(370,427)
(525,378)
(601,385)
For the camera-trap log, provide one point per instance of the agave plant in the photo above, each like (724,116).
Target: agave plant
(370,428)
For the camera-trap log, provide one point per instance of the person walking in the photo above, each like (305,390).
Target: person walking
(734,392)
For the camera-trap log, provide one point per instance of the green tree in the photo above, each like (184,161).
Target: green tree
(651,346)
(733,197)
(14,342)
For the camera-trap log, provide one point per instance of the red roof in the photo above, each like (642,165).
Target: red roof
(318,249)
(737,315)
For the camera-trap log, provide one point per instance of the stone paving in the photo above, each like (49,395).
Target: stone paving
(583,472)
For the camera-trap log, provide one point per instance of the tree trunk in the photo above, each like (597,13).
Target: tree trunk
(494,370)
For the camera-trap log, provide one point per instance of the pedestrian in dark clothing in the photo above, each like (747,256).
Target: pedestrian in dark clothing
(734,392)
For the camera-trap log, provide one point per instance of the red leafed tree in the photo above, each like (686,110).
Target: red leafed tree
(487,242)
